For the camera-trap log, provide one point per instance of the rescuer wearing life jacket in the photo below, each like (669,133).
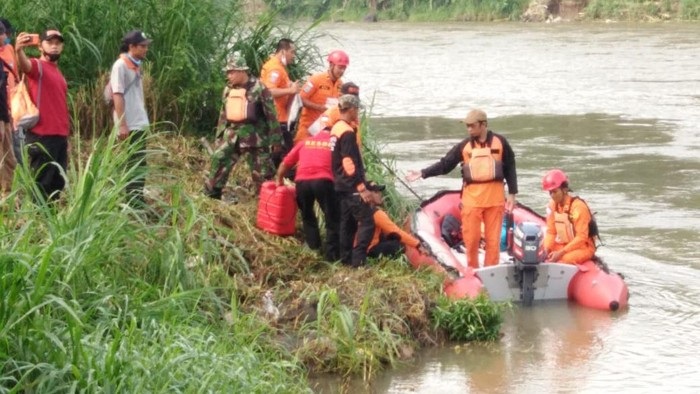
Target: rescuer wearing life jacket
(487,161)
(314,183)
(388,238)
(248,125)
(275,77)
(332,114)
(570,238)
(321,91)
(356,213)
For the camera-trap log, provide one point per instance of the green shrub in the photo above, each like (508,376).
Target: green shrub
(477,319)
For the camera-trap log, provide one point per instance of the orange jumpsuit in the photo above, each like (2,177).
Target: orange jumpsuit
(573,217)
(482,201)
(274,76)
(321,90)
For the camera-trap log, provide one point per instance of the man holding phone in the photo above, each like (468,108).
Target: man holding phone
(47,141)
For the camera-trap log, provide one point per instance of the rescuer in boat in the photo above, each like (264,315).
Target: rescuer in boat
(487,161)
(571,229)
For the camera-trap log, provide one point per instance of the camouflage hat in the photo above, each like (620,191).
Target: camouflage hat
(348,101)
(236,63)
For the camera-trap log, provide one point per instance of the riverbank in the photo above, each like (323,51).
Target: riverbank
(191,290)
(489,10)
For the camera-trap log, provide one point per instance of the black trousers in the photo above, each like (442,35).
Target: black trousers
(389,248)
(48,158)
(356,221)
(321,190)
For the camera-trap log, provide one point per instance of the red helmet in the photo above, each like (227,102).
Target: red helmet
(553,179)
(339,58)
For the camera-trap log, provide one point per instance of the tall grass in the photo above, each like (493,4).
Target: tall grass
(191,42)
(98,297)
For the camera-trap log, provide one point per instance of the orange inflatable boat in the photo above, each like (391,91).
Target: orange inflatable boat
(522,274)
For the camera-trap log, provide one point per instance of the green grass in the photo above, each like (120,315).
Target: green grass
(100,297)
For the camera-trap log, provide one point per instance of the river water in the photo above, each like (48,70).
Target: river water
(617,107)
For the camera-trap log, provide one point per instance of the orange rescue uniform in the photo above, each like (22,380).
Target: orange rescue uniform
(321,90)
(567,230)
(482,200)
(384,226)
(274,76)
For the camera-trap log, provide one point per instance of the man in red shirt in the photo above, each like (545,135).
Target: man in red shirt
(47,141)
(314,182)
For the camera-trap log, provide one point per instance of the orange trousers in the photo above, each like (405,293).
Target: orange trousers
(472,217)
(576,256)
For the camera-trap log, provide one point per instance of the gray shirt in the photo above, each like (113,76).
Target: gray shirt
(129,83)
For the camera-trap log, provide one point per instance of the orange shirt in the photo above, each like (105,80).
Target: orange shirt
(579,215)
(7,53)
(274,76)
(319,89)
(487,194)
(384,225)
(328,119)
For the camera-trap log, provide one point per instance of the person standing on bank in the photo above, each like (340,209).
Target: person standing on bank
(248,125)
(129,114)
(275,77)
(314,182)
(351,186)
(47,141)
(570,238)
(487,160)
(321,91)
(8,80)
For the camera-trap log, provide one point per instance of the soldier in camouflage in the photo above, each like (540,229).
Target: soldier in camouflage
(256,133)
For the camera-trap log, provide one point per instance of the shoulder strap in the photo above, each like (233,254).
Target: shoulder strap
(38,96)
(12,70)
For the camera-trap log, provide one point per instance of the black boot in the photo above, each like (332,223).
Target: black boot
(214,193)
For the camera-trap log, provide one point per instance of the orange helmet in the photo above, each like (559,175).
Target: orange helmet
(553,179)
(339,58)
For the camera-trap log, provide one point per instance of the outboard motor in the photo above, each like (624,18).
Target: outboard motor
(528,252)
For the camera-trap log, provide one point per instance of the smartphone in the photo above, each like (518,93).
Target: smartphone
(33,39)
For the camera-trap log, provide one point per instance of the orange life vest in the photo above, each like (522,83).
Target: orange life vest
(238,108)
(563,227)
(483,164)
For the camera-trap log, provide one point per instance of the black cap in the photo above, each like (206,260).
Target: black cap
(50,34)
(350,88)
(136,37)
(7,25)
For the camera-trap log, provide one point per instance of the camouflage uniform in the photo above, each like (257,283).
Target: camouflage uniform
(254,139)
